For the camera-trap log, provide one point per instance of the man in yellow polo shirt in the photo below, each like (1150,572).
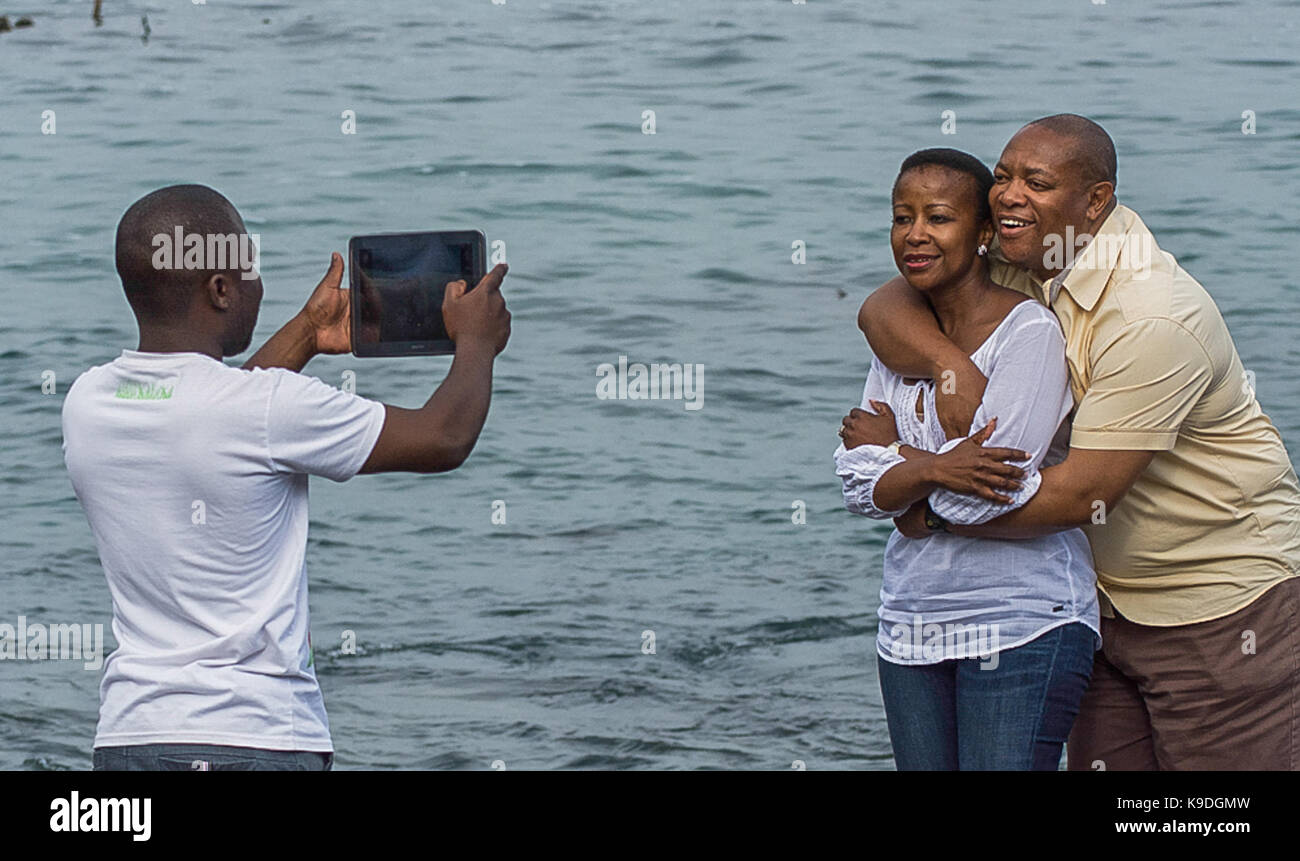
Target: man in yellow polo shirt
(1199,567)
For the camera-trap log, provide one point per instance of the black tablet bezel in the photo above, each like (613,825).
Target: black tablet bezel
(443,347)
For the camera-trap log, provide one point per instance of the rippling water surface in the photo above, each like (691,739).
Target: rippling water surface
(775,122)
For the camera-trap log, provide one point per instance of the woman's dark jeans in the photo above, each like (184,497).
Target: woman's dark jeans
(207,757)
(966,714)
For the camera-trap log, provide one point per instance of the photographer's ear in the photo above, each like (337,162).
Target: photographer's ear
(217,290)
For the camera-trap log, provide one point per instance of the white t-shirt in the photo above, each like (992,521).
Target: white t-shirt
(193,475)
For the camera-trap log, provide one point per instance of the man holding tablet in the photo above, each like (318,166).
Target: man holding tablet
(193,476)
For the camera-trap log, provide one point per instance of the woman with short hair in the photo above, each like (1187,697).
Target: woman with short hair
(984,646)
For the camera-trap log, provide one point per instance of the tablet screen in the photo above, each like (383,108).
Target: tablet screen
(399,281)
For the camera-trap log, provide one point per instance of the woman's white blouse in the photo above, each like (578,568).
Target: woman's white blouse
(946,596)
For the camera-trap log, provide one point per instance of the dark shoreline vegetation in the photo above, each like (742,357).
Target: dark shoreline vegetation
(18,24)
(25,21)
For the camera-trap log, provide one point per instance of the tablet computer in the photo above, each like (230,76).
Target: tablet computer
(397,283)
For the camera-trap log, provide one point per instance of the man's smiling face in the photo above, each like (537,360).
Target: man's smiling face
(1039,189)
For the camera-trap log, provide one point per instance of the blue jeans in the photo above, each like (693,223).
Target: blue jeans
(207,757)
(958,716)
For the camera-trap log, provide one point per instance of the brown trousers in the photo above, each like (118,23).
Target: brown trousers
(1214,696)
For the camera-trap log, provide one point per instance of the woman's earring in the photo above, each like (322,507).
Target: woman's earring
(983,249)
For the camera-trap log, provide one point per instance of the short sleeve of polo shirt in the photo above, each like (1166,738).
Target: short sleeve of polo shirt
(1144,384)
(317,429)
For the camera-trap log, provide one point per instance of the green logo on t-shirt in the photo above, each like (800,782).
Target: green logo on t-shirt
(137,391)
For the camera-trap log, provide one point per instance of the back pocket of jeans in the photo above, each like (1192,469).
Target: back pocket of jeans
(172,762)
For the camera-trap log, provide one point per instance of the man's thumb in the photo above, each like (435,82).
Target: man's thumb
(333,275)
(455,290)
